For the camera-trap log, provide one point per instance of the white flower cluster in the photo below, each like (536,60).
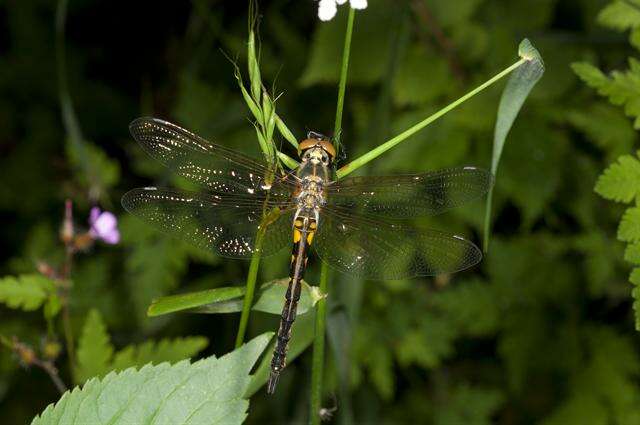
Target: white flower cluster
(327,8)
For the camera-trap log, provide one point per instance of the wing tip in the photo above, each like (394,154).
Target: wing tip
(129,200)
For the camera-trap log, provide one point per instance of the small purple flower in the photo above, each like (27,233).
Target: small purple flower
(104,226)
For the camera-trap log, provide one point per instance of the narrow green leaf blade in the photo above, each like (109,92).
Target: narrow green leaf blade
(520,83)
(94,349)
(209,391)
(286,133)
(229,300)
(287,160)
(26,292)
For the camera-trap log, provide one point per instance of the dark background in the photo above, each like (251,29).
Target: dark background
(540,332)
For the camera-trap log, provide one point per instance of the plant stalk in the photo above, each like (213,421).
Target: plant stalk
(342,85)
(317,368)
(376,152)
(317,365)
(252,277)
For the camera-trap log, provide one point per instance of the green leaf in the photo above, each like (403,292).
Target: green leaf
(470,406)
(621,88)
(632,253)
(621,15)
(52,306)
(288,161)
(154,264)
(629,229)
(635,294)
(95,169)
(229,300)
(302,335)
(427,344)
(605,126)
(286,133)
(166,350)
(471,306)
(209,391)
(620,182)
(520,83)
(590,74)
(27,292)
(254,68)
(94,349)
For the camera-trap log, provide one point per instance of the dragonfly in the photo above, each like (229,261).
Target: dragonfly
(357,225)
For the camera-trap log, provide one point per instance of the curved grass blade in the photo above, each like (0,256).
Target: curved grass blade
(515,93)
(230,300)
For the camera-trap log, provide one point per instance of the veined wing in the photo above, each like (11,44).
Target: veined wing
(407,196)
(224,224)
(373,249)
(212,166)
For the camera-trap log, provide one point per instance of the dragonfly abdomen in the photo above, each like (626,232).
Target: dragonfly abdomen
(303,230)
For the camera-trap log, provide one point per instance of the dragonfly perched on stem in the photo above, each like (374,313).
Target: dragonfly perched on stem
(248,207)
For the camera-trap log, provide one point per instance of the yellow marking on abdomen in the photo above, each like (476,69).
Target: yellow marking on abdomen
(296,235)
(310,237)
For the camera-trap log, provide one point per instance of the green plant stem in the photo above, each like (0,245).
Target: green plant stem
(317,367)
(252,277)
(374,153)
(487,222)
(342,86)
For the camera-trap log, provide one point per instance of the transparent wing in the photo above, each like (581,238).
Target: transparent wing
(410,195)
(372,249)
(224,224)
(212,166)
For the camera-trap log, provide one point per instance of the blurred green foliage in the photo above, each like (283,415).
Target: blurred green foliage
(541,332)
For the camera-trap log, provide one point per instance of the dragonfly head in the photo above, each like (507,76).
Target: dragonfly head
(317,148)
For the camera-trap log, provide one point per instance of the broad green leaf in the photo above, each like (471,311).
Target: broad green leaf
(635,294)
(632,253)
(629,229)
(606,126)
(229,300)
(620,182)
(52,306)
(523,79)
(94,349)
(154,264)
(166,350)
(590,74)
(95,169)
(621,15)
(469,405)
(302,335)
(26,292)
(471,306)
(209,391)
(621,88)
(603,387)
(427,344)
